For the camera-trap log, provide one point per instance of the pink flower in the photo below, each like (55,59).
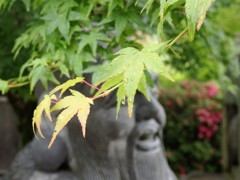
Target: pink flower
(210,122)
(179,101)
(169,103)
(183,172)
(200,95)
(212,90)
(202,112)
(202,119)
(209,134)
(200,135)
(185,85)
(215,128)
(202,129)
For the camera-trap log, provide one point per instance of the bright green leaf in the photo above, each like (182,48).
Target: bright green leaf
(142,87)
(63,68)
(76,16)
(27,4)
(196,12)
(110,83)
(91,40)
(3,86)
(147,6)
(43,74)
(132,63)
(132,76)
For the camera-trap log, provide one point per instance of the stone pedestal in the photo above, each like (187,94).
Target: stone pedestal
(9,138)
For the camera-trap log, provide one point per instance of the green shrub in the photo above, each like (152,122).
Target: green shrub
(192,135)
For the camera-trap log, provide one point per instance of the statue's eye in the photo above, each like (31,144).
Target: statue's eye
(145,113)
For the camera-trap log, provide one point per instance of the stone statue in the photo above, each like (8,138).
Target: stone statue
(232,118)
(126,148)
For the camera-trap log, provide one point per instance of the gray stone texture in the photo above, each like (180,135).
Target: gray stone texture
(9,137)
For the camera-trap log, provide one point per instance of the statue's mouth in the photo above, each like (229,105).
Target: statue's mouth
(148,136)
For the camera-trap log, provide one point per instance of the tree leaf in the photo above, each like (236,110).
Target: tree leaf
(162,8)
(132,63)
(147,6)
(63,87)
(64,26)
(203,10)
(154,63)
(110,83)
(120,25)
(27,3)
(131,80)
(196,12)
(37,115)
(42,73)
(3,86)
(63,68)
(75,104)
(76,16)
(113,4)
(120,97)
(142,87)
(91,40)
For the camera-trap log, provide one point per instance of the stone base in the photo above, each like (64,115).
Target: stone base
(9,138)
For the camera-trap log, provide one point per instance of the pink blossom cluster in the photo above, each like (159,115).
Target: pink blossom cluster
(208,90)
(194,107)
(209,122)
(212,90)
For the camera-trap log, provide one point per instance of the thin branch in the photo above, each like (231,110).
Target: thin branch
(180,36)
(54,101)
(94,87)
(106,93)
(14,85)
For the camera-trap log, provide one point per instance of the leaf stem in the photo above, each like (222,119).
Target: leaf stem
(14,85)
(94,87)
(106,93)
(54,101)
(180,36)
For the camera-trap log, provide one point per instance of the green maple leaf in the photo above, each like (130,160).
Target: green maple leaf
(91,40)
(44,106)
(128,68)
(3,86)
(147,6)
(113,4)
(42,73)
(27,3)
(63,87)
(196,12)
(74,104)
(59,16)
(57,21)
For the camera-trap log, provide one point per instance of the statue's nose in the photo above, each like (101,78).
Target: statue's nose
(152,109)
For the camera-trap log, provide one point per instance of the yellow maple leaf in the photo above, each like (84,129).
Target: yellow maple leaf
(37,115)
(63,87)
(74,104)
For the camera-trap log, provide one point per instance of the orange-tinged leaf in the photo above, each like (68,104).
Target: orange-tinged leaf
(75,104)
(37,117)
(82,117)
